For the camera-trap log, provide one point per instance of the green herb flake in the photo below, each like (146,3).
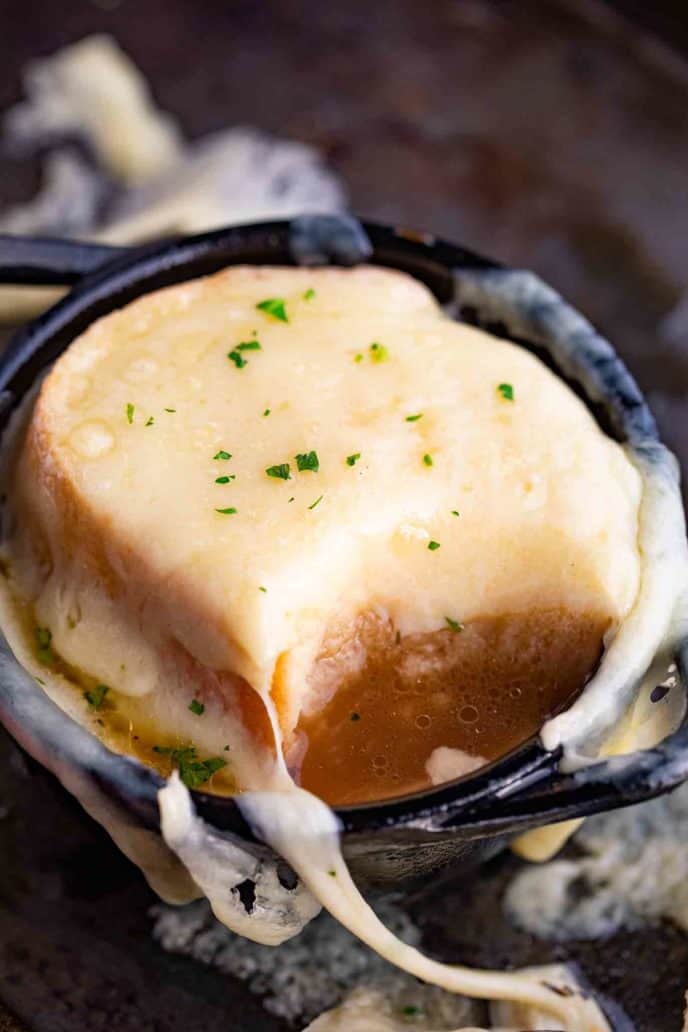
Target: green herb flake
(414,418)
(274,306)
(455,512)
(506,390)
(332,874)
(249,345)
(96,696)
(226,748)
(291,499)
(351,460)
(197,707)
(224,455)
(44,649)
(307,461)
(150,421)
(226,479)
(266,412)
(261,588)
(39,680)
(309,294)
(354,717)
(433,545)
(410,1011)
(427,460)
(378,352)
(280,472)
(231,511)
(453,625)
(358,357)
(316,502)
(192,771)
(237,358)
(130,412)
(170,410)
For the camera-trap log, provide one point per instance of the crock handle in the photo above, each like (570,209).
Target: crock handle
(612,783)
(39,261)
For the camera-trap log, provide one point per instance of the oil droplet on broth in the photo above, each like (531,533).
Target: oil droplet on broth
(423,721)
(468,715)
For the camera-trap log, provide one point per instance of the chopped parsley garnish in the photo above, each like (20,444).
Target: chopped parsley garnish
(332,874)
(280,472)
(266,412)
(427,460)
(224,455)
(355,716)
(433,545)
(96,696)
(506,390)
(274,306)
(226,479)
(307,461)
(316,502)
(414,418)
(197,707)
(192,771)
(231,511)
(453,625)
(130,413)
(410,1011)
(44,649)
(378,352)
(291,499)
(249,345)
(358,357)
(170,410)
(150,421)
(261,588)
(351,460)
(309,294)
(455,512)
(237,358)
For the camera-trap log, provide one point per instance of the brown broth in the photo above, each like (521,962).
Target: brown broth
(483,689)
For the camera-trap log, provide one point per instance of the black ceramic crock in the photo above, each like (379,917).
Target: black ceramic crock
(459,822)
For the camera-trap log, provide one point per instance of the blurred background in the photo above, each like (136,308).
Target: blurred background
(550,135)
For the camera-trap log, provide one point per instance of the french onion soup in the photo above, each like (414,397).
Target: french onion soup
(305,510)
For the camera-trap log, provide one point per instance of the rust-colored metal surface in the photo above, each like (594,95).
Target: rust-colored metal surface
(553,136)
